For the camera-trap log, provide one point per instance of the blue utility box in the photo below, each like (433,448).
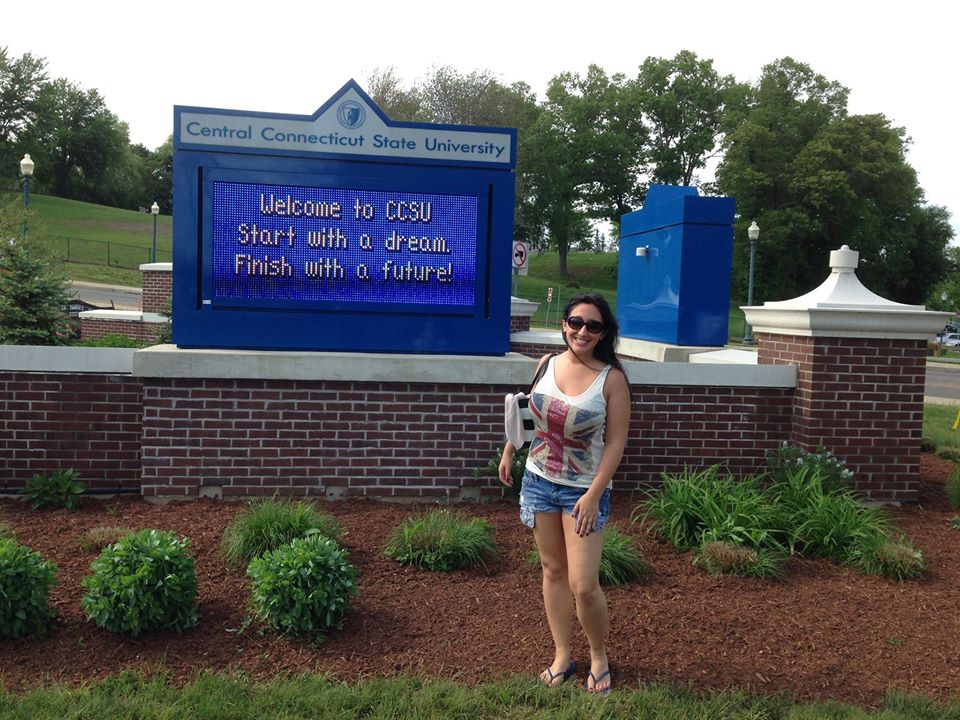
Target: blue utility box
(676,255)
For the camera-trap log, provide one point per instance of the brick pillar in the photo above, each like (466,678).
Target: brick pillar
(157,286)
(862,398)
(861,364)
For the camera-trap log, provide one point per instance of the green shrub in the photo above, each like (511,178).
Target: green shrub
(492,468)
(895,559)
(267,524)
(835,525)
(620,561)
(720,558)
(955,523)
(25,582)
(113,340)
(304,587)
(830,469)
(62,489)
(144,582)
(441,540)
(701,505)
(953,488)
(97,538)
(927,445)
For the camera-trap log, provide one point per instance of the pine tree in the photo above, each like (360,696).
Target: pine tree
(33,296)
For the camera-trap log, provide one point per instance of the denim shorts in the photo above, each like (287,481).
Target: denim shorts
(538,495)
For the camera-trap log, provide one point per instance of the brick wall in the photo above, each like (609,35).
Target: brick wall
(863,398)
(157,289)
(414,440)
(95,329)
(307,438)
(56,421)
(519,323)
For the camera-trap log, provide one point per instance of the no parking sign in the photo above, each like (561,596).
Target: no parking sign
(521,252)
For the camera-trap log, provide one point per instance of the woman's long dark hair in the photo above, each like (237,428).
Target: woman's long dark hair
(606,349)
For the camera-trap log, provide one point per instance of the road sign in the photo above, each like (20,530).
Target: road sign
(521,253)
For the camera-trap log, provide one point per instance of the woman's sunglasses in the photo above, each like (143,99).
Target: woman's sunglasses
(574,322)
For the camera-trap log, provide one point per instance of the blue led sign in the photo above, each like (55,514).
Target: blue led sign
(315,244)
(341,231)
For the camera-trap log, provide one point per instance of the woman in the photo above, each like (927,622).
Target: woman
(581,412)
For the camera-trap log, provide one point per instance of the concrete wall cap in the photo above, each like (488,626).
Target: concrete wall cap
(37,358)
(157,267)
(124,316)
(512,370)
(520,307)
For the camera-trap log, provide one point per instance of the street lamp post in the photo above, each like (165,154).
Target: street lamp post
(154,210)
(26,170)
(753,232)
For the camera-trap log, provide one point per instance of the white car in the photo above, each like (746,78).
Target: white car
(949,339)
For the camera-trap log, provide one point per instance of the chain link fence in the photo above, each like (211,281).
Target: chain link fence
(100,252)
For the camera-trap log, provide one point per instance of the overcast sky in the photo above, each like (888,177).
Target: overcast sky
(898,59)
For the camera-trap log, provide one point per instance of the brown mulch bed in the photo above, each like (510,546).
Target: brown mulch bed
(823,632)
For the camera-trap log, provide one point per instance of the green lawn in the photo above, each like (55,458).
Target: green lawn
(938,423)
(211,697)
(104,244)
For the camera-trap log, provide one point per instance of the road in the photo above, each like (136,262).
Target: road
(107,296)
(943,381)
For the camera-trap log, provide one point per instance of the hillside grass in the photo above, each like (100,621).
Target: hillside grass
(87,229)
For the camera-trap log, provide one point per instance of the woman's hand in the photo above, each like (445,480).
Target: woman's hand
(585,513)
(505,470)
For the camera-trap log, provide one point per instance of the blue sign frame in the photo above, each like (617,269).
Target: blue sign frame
(432,276)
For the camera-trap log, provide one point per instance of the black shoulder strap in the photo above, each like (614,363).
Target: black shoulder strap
(541,370)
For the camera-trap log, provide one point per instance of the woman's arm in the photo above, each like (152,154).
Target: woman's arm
(615,440)
(506,459)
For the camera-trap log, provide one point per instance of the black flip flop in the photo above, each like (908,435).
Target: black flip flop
(563,674)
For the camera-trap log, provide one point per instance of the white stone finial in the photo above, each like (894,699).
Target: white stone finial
(844,260)
(842,307)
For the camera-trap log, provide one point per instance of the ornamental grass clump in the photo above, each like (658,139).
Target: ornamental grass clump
(97,538)
(620,560)
(833,526)
(143,582)
(700,505)
(267,524)
(6,529)
(896,559)
(723,558)
(25,582)
(304,587)
(953,488)
(62,489)
(442,540)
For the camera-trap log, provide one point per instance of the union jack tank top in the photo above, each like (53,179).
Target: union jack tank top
(568,430)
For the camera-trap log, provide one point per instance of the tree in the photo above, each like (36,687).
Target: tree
(814,179)
(21,81)
(585,155)
(683,101)
(945,295)
(387,91)
(83,142)
(32,296)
